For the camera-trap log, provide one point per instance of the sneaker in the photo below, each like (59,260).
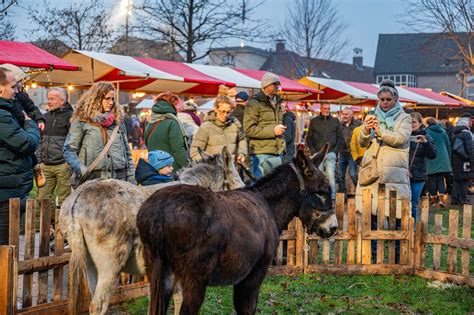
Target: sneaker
(39,176)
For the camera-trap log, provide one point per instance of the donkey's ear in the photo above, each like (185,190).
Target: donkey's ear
(203,154)
(301,160)
(318,157)
(226,156)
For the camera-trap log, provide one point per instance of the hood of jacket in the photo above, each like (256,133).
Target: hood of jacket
(436,128)
(261,97)
(459,129)
(65,108)
(163,107)
(144,170)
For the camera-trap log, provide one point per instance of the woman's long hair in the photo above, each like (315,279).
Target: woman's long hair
(90,103)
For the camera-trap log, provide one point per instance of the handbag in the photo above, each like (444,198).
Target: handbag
(76,180)
(413,159)
(459,150)
(368,173)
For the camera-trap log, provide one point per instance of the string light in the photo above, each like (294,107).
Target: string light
(70,87)
(34,85)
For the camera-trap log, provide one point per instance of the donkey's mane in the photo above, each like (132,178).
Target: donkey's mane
(207,161)
(279,175)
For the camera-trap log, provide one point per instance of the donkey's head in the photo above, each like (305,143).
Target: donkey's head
(216,172)
(316,211)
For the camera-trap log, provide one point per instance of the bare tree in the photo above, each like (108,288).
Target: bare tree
(7,29)
(314,29)
(193,26)
(6,5)
(83,25)
(454,19)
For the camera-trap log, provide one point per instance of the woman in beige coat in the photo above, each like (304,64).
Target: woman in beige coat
(220,130)
(389,128)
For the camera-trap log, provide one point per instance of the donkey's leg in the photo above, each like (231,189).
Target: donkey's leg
(91,275)
(106,285)
(246,291)
(194,291)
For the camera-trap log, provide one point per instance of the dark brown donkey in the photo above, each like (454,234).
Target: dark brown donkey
(193,237)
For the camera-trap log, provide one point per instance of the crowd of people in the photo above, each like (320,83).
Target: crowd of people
(67,146)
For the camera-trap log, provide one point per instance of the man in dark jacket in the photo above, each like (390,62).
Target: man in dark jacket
(58,121)
(241,100)
(325,128)
(348,124)
(17,146)
(263,126)
(289,120)
(463,161)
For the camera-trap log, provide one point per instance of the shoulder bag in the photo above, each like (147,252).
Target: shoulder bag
(368,173)
(78,180)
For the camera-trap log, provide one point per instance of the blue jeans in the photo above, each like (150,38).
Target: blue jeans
(328,167)
(345,160)
(416,188)
(264,163)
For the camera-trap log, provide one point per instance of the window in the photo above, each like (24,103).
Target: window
(228,60)
(408,80)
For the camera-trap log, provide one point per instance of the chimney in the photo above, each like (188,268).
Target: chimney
(357,60)
(280,45)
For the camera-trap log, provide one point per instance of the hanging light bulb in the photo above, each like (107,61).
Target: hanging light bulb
(34,85)
(70,87)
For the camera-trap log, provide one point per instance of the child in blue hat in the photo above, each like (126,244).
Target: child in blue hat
(158,169)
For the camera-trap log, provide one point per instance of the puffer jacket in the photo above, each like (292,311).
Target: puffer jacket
(324,129)
(465,135)
(425,151)
(84,143)
(55,132)
(17,145)
(167,134)
(146,175)
(442,162)
(214,135)
(260,119)
(392,162)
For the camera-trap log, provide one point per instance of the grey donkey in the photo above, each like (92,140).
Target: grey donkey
(99,219)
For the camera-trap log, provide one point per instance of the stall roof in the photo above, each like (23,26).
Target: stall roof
(347,92)
(467,102)
(151,75)
(28,55)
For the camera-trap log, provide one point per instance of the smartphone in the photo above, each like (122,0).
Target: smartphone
(371,112)
(413,138)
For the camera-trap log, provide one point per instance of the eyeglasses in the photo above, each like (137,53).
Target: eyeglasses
(387,99)
(109,99)
(224,112)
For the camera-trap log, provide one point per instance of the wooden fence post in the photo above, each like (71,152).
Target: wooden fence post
(466,234)
(453,234)
(380,222)
(404,227)
(7,280)
(299,243)
(340,227)
(366,226)
(30,233)
(351,228)
(392,224)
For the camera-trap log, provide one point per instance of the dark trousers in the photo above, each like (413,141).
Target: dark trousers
(436,183)
(346,161)
(5,218)
(460,191)
(373,244)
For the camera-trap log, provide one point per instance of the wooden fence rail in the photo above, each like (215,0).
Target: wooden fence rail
(34,280)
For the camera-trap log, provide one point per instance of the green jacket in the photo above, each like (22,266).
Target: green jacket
(214,135)
(84,143)
(442,162)
(260,119)
(17,146)
(166,134)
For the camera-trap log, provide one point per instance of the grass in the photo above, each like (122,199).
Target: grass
(352,294)
(340,294)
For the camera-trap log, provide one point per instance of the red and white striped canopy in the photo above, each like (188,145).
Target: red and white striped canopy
(153,76)
(348,92)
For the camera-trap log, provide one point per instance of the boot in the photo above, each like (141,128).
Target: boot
(39,176)
(442,200)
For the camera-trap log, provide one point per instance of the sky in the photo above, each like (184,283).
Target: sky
(366,19)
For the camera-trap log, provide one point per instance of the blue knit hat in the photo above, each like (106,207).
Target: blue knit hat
(159,159)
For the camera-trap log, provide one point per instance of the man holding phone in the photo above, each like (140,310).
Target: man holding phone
(263,126)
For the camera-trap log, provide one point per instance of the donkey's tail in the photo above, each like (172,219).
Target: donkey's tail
(155,271)
(77,268)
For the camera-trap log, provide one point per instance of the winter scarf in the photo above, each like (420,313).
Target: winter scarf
(195,117)
(387,119)
(105,119)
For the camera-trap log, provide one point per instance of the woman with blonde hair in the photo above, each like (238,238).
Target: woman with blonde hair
(219,129)
(98,119)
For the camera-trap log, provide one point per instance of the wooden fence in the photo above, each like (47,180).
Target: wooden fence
(34,281)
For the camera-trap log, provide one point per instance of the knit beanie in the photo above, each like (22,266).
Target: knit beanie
(242,96)
(269,78)
(463,122)
(159,159)
(17,72)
